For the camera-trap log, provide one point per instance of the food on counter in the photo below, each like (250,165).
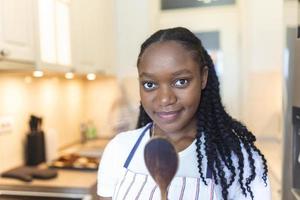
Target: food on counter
(92,165)
(58,164)
(75,161)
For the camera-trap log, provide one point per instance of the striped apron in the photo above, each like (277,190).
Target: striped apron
(134,186)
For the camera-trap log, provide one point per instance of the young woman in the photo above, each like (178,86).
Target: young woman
(180,100)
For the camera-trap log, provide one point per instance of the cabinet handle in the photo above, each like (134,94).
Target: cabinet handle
(4,52)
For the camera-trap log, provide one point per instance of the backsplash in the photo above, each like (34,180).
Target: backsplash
(63,105)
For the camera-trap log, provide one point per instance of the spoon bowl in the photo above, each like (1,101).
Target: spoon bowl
(162,162)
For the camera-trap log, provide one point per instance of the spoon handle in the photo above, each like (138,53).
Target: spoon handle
(163,194)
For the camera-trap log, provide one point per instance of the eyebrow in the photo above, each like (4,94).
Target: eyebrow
(150,75)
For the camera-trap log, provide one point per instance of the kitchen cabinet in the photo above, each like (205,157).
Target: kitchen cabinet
(35,33)
(92,27)
(59,35)
(54,33)
(17,30)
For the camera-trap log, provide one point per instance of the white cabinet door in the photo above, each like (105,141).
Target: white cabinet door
(17,30)
(92,28)
(54,33)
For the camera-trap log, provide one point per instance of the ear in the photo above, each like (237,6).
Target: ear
(204,75)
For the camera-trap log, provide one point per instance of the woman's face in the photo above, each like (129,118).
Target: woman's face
(170,86)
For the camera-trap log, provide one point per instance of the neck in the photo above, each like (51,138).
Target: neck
(181,139)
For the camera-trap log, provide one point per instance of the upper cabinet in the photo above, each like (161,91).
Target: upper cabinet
(36,32)
(54,33)
(93,35)
(59,35)
(17,30)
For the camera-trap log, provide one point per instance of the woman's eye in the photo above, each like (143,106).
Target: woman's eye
(181,83)
(149,85)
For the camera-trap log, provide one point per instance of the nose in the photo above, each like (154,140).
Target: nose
(166,96)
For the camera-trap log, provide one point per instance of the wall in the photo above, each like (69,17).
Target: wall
(63,104)
(262,46)
(93,33)
(263,107)
(133,26)
(101,104)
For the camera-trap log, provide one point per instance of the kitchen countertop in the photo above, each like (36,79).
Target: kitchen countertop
(67,181)
(92,145)
(74,181)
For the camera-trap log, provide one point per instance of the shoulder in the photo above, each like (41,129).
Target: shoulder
(118,149)
(112,160)
(126,138)
(124,141)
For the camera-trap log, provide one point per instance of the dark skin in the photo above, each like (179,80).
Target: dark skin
(170,85)
(170,88)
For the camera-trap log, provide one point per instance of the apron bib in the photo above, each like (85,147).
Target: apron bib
(134,186)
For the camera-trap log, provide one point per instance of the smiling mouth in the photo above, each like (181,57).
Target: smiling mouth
(168,116)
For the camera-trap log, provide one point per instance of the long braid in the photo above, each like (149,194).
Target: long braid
(199,155)
(218,134)
(226,138)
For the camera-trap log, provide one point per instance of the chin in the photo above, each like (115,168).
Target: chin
(169,127)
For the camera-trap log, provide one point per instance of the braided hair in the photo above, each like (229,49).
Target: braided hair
(223,135)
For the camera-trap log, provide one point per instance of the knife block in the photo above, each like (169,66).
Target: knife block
(35,148)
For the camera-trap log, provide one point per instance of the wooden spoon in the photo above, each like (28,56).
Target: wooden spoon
(162,162)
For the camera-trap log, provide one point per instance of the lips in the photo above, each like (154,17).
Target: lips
(168,116)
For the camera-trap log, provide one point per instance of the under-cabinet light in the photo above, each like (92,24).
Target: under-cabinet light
(91,76)
(38,73)
(69,75)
